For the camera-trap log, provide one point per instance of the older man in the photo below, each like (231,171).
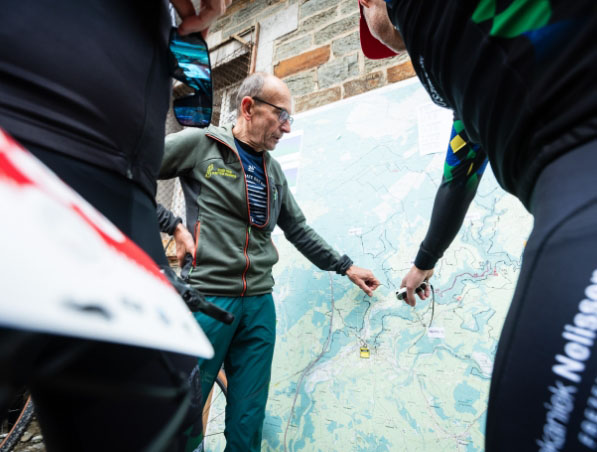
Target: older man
(236,194)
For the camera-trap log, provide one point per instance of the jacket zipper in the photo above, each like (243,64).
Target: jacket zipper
(244,276)
(248,233)
(267,191)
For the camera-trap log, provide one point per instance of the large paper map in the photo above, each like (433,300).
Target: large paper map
(362,171)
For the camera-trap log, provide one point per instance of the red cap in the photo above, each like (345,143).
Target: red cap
(372,48)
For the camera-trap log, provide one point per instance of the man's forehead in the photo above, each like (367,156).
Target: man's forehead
(279,94)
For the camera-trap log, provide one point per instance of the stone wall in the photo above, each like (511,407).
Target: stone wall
(313,45)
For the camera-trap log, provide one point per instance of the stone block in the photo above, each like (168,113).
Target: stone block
(250,11)
(289,36)
(348,7)
(299,63)
(292,48)
(338,70)
(317,21)
(310,101)
(236,27)
(246,19)
(220,24)
(311,7)
(346,44)
(363,84)
(272,27)
(276,9)
(373,65)
(301,83)
(336,29)
(400,72)
(237,6)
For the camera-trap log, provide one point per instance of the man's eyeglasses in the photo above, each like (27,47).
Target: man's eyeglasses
(283,116)
(189,63)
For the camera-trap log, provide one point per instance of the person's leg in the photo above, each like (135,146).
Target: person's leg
(220,335)
(92,396)
(544,390)
(248,368)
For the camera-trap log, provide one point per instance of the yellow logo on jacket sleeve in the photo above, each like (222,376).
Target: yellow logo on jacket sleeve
(211,171)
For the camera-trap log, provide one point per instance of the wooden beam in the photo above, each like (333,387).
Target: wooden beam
(255,49)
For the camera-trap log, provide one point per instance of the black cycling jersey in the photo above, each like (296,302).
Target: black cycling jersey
(520,78)
(520,75)
(88,79)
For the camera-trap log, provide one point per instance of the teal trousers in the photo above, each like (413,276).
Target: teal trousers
(246,348)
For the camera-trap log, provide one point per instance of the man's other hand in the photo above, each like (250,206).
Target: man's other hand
(363,278)
(413,279)
(184,243)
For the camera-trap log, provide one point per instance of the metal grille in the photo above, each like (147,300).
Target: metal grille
(231,62)
(231,67)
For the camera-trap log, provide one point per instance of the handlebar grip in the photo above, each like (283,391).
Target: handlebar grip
(214,312)
(401,293)
(186,266)
(195,300)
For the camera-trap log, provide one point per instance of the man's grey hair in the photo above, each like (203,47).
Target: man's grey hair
(251,86)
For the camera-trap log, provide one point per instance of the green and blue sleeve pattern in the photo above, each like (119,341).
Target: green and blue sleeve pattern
(463,169)
(465,162)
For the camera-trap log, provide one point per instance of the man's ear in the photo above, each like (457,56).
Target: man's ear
(246,107)
(365,3)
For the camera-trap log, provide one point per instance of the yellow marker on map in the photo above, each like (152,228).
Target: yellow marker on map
(365,353)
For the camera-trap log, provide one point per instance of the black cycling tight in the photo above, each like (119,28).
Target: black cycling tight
(544,387)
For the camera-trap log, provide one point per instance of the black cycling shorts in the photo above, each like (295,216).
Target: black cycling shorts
(543,393)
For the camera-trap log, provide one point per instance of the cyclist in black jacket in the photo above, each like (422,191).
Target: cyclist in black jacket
(520,77)
(85,87)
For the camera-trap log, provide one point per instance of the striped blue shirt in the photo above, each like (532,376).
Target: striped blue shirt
(256,182)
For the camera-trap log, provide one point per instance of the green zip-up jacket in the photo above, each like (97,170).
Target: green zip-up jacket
(233,256)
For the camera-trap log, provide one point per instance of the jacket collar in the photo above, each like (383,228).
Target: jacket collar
(224,134)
